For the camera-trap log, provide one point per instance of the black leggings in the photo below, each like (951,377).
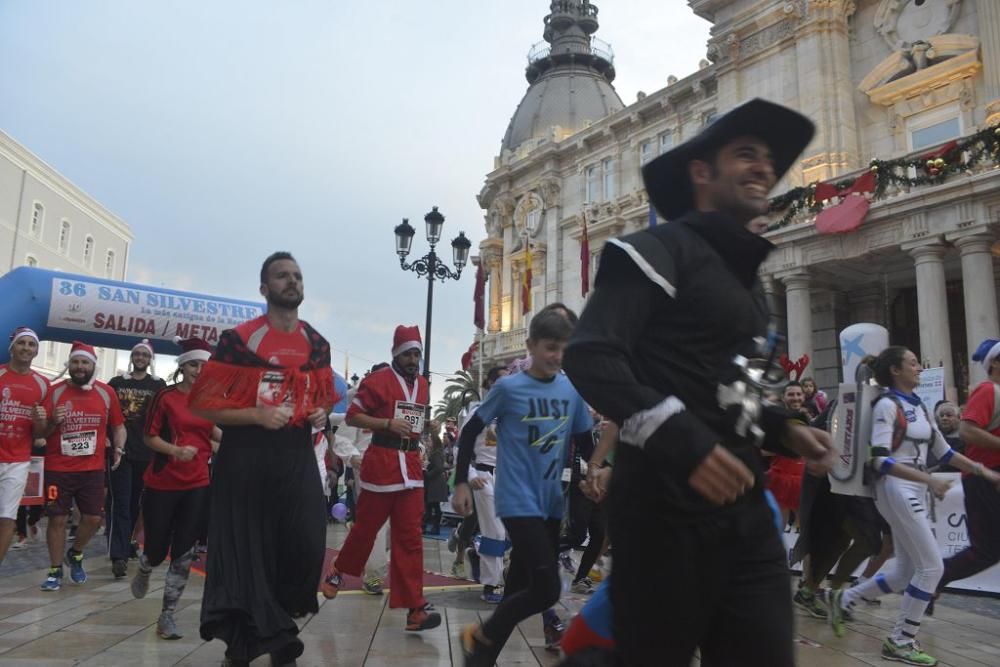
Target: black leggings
(597,527)
(28,515)
(173,521)
(533,583)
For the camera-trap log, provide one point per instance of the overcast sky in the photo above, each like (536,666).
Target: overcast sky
(221,131)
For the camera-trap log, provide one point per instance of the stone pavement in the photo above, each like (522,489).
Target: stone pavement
(99,624)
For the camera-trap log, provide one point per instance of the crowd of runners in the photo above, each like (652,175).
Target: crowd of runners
(634,436)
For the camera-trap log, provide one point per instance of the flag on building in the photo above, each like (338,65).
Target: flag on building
(526,280)
(478,297)
(584,258)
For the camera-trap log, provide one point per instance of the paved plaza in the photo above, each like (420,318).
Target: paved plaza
(99,624)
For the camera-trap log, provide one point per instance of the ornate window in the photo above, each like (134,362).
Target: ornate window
(109,264)
(37,218)
(64,237)
(593,184)
(88,251)
(666,141)
(646,152)
(608,169)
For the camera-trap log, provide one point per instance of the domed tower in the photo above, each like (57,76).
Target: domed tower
(570,76)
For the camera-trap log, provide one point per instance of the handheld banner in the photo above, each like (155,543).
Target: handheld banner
(65,307)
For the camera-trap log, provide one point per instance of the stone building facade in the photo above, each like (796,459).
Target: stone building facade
(880,78)
(48,222)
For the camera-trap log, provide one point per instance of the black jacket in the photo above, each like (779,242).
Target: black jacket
(672,306)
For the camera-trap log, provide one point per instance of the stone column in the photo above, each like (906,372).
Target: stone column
(932,309)
(496,294)
(799,311)
(980,294)
(988,23)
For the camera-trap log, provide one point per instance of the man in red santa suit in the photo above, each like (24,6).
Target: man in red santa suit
(391,402)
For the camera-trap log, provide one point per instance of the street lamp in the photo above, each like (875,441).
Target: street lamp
(430,265)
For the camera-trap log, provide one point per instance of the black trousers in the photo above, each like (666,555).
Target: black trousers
(982,511)
(720,582)
(533,583)
(121,507)
(585,518)
(173,521)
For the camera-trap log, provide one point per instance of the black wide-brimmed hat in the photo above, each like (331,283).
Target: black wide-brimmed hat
(786,133)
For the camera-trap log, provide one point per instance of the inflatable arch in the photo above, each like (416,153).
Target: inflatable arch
(64,307)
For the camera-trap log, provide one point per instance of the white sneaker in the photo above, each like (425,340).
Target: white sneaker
(19,543)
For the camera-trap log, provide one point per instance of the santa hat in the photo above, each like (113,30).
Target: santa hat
(406,338)
(144,344)
(987,351)
(83,350)
(22,332)
(193,349)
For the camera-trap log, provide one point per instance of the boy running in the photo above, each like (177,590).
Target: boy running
(536,412)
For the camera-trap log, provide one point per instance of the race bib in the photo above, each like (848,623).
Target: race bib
(82,443)
(412,413)
(269,391)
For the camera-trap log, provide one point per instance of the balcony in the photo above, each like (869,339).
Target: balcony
(506,345)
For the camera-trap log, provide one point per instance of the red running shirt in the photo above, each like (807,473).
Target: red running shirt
(170,419)
(979,411)
(276,347)
(19,394)
(79,444)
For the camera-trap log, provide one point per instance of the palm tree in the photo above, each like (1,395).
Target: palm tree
(461,389)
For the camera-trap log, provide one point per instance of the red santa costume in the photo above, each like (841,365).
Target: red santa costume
(393,485)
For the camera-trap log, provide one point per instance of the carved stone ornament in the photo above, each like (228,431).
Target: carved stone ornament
(903,23)
(550,190)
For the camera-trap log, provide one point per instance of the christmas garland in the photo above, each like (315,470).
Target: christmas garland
(955,157)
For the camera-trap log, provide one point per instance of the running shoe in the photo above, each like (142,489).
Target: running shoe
(595,575)
(582,587)
(453,541)
(166,628)
(372,586)
(287,655)
(810,602)
(422,618)
(72,534)
(458,570)
(331,584)
(567,562)
(75,561)
(19,543)
(553,630)
(119,568)
(910,653)
(492,594)
(140,582)
(835,612)
(476,653)
(133,551)
(53,581)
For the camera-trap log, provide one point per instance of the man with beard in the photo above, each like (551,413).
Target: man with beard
(22,390)
(392,402)
(654,351)
(267,385)
(135,388)
(77,414)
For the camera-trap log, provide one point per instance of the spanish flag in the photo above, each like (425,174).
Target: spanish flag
(526,280)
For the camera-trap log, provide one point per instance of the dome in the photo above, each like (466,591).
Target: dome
(570,77)
(571,97)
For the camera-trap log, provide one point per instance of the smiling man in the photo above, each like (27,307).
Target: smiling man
(654,350)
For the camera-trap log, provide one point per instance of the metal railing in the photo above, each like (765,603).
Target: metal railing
(598,47)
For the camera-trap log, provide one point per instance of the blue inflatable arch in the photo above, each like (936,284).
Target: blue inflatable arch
(65,307)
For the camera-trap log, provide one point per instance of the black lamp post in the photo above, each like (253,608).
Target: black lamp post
(430,265)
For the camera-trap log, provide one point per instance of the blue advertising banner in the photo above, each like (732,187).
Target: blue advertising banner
(65,307)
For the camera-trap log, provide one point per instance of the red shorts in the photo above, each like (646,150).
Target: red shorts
(62,488)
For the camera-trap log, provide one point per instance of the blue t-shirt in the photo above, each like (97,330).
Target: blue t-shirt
(535,420)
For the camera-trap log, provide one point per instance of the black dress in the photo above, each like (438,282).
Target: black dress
(266,539)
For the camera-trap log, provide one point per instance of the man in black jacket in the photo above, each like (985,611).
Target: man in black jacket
(697,560)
